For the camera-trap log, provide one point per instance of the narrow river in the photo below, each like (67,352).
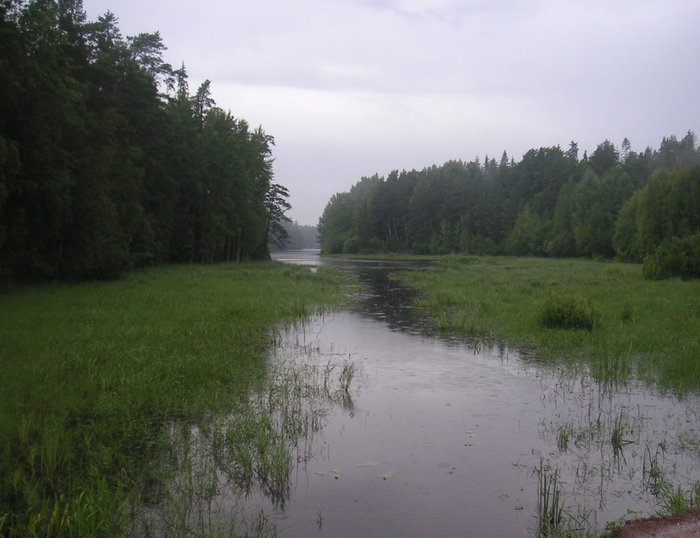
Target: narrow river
(442,438)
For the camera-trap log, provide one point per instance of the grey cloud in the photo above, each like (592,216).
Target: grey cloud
(383,84)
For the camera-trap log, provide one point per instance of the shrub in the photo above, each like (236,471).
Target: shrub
(352,245)
(674,257)
(374,246)
(565,310)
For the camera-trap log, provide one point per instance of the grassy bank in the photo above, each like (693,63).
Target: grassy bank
(93,373)
(602,316)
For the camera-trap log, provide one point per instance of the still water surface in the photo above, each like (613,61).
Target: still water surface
(443,438)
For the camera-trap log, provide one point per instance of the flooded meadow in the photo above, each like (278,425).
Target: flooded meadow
(368,423)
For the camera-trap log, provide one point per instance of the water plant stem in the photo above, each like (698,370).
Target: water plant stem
(94,373)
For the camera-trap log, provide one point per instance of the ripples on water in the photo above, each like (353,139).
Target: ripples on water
(442,438)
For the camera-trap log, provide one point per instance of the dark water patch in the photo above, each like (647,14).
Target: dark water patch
(380,296)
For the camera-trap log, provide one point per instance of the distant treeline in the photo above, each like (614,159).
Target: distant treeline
(107,161)
(299,237)
(612,203)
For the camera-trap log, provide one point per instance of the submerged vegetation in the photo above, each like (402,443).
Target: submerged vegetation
(251,451)
(99,377)
(612,445)
(634,327)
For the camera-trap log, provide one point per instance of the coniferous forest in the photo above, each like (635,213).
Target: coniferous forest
(610,204)
(109,161)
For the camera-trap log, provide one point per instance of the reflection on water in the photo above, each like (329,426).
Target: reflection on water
(214,466)
(433,437)
(444,441)
(380,297)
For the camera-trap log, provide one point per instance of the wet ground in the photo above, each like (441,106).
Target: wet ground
(686,525)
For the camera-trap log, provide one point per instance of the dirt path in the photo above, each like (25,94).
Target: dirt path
(685,525)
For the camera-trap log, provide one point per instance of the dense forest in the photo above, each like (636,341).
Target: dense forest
(107,161)
(610,204)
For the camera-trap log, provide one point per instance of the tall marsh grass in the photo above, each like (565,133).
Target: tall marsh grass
(567,310)
(252,450)
(632,327)
(94,373)
(550,508)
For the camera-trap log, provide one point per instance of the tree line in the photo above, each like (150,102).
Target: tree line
(614,203)
(299,237)
(108,161)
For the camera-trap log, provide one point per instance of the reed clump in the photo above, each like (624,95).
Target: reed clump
(567,310)
(550,508)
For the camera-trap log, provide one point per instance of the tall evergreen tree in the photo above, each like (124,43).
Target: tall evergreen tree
(108,163)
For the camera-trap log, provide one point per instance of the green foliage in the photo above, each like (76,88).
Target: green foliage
(675,257)
(567,310)
(625,240)
(645,329)
(352,245)
(676,500)
(596,203)
(550,203)
(335,224)
(106,165)
(550,507)
(604,158)
(667,207)
(96,372)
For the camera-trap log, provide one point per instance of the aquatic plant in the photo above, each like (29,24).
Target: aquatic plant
(617,436)
(643,329)
(567,310)
(347,374)
(327,371)
(276,469)
(550,508)
(652,470)
(96,373)
(565,433)
(677,500)
(254,448)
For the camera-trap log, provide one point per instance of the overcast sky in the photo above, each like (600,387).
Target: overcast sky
(350,88)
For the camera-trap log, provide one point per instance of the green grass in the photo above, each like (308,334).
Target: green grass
(93,373)
(565,310)
(630,327)
(550,509)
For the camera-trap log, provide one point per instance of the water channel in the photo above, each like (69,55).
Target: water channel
(444,438)
(437,436)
